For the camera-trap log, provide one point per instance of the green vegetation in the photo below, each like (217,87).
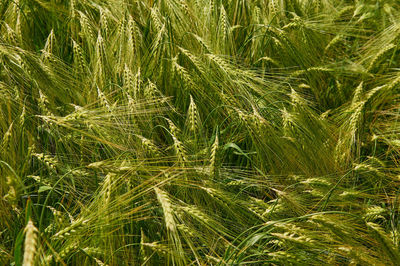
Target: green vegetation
(199,132)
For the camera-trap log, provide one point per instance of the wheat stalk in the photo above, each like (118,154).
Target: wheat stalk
(193,116)
(178,145)
(99,61)
(50,161)
(137,84)
(108,187)
(149,145)
(197,213)
(173,128)
(68,249)
(355,120)
(184,6)
(223,23)
(72,9)
(143,240)
(132,42)
(86,26)
(387,245)
(379,56)
(6,141)
(183,73)
(18,27)
(335,41)
(128,78)
(151,90)
(47,51)
(212,6)
(103,99)
(213,156)
(165,202)
(11,35)
(43,103)
(12,194)
(179,149)
(273,7)
(30,245)
(78,57)
(194,59)
(22,117)
(103,21)
(358,93)
(154,14)
(72,229)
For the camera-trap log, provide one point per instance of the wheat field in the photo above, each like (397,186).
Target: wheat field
(199,132)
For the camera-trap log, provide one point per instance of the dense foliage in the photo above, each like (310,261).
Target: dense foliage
(199,132)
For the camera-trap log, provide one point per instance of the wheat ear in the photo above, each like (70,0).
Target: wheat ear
(30,244)
(163,198)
